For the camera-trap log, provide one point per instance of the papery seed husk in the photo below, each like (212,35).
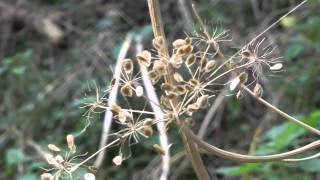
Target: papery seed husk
(176,61)
(180,89)
(167,87)
(114,108)
(122,117)
(117,160)
(53,147)
(202,101)
(193,83)
(193,107)
(210,66)
(139,91)
(126,90)
(127,65)
(258,90)
(159,149)
(178,43)
(51,160)
(188,40)
(154,77)
(276,67)
(70,141)
(243,77)
(147,122)
(234,83)
(46,176)
(144,58)
(187,49)
(172,95)
(177,77)
(203,63)
(147,131)
(190,60)
(160,67)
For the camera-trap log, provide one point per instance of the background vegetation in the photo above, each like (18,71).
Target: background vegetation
(54,52)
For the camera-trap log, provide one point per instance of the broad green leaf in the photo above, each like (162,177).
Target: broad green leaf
(239,170)
(15,156)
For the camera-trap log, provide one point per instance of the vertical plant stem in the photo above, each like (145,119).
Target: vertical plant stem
(191,148)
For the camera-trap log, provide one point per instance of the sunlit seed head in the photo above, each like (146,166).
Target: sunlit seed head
(178,43)
(172,95)
(159,149)
(148,122)
(258,90)
(210,66)
(167,87)
(243,77)
(180,89)
(139,91)
(159,67)
(147,131)
(54,148)
(194,107)
(190,60)
(157,42)
(127,65)
(127,90)
(46,176)
(239,95)
(154,77)
(114,108)
(194,83)
(177,77)
(117,160)
(202,101)
(70,141)
(144,58)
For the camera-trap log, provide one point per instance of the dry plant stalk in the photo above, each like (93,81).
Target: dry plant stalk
(182,95)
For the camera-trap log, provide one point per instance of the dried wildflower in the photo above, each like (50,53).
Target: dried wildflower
(202,101)
(126,90)
(177,77)
(46,176)
(139,91)
(157,42)
(147,131)
(257,90)
(117,160)
(178,43)
(159,149)
(144,58)
(89,176)
(127,65)
(190,60)
(53,147)
(210,66)
(160,67)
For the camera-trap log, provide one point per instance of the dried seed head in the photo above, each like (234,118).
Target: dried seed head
(258,90)
(276,67)
(176,61)
(194,83)
(115,109)
(160,67)
(193,107)
(190,60)
(178,43)
(202,101)
(144,58)
(159,149)
(126,90)
(243,77)
(70,142)
(157,42)
(127,65)
(165,102)
(177,77)
(234,83)
(147,131)
(117,160)
(148,122)
(53,147)
(167,87)
(59,159)
(89,176)
(188,40)
(246,54)
(51,160)
(46,176)
(180,89)
(139,91)
(203,63)
(240,95)
(93,169)
(187,49)
(122,117)
(172,95)
(210,66)
(154,77)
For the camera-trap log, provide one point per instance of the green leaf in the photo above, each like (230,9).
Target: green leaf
(310,166)
(15,156)
(29,177)
(239,170)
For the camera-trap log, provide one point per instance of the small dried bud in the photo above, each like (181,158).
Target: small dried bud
(188,40)
(159,149)
(210,66)
(193,107)
(202,101)
(46,176)
(115,109)
(59,159)
(276,67)
(70,142)
(117,160)
(194,83)
(178,43)
(93,169)
(172,95)
(243,77)
(126,90)
(147,131)
(165,102)
(187,49)
(177,77)
(122,116)
(53,147)
(180,89)
(51,160)
(176,61)
(246,53)
(203,63)
(144,58)
(160,67)
(257,90)
(154,77)
(139,91)
(89,176)
(148,122)
(157,42)
(190,60)
(127,65)
(167,87)
(240,95)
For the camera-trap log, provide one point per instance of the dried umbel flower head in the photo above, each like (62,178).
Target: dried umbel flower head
(46,176)
(117,160)
(127,90)
(144,58)
(258,90)
(127,65)
(53,147)
(159,149)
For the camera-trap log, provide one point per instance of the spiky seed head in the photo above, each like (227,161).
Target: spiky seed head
(147,131)
(258,90)
(167,87)
(159,149)
(46,176)
(177,77)
(243,77)
(54,148)
(202,101)
(139,91)
(203,63)
(193,107)
(276,67)
(115,109)
(71,142)
(89,176)
(190,60)
(126,90)
(127,65)
(157,42)
(210,66)
(160,67)
(144,58)
(240,95)
(181,89)
(117,160)
(178,43)
(148,122)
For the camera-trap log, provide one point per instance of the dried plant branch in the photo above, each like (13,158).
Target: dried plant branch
(112,99)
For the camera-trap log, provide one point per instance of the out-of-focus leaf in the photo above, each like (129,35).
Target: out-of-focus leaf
(30,177)
(15,156)
(310,166)
(288,21)
(239,170)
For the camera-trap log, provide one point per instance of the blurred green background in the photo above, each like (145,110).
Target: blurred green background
(54,52)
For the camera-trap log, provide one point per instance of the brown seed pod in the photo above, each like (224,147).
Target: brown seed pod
(172,95)
(243,77)
(203,63)
(148,122)
(157,42)
(115,109)
(246,53)
(177,77)
(127,90)
(154,77)
(187,49)
(178,43)
(194,83)
(167,87)
(193,107)
(144,58)
(127,65)
(190,60)
(210,66)
(160,67)
(181,89)
(258,90)
(159,149)
(93,169)
(202,101)
(147,131)
(176,61)
(188,40)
